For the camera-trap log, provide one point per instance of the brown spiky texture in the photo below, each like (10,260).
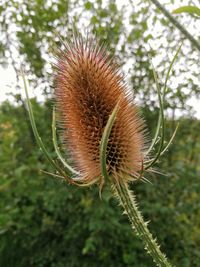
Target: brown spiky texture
(88,85)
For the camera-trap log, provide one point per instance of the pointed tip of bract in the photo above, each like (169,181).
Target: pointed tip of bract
(88,85)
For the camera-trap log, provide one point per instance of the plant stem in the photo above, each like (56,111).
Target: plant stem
(176,24)
(127,199)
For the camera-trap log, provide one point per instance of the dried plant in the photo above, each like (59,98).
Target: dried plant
(101,129)
(88,87)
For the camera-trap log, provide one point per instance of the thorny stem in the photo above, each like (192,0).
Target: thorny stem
(127,200)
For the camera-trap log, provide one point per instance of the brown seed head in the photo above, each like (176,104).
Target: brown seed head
(88,86)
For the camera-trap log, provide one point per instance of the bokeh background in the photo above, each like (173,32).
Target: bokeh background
(43,221)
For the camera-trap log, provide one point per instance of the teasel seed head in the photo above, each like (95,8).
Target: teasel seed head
(88,85)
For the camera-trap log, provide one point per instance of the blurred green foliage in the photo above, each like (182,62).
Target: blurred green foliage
(43,221)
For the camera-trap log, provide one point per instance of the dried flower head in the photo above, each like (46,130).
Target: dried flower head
(88,85)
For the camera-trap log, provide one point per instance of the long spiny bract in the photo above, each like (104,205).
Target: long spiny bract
(88,87)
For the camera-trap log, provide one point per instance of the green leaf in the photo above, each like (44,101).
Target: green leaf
(187,9)
(88,5)
(94,20)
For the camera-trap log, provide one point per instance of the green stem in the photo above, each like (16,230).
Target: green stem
(177,24)
(128,201)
